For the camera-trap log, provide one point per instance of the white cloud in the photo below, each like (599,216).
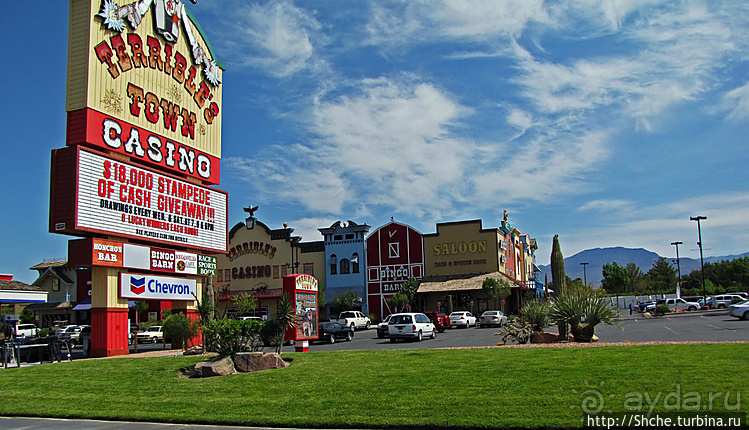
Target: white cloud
(277,37)
(606,205)
(737,102)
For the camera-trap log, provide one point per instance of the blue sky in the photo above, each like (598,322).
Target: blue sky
(609,123)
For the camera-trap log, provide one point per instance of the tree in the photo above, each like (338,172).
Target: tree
(285,317)
(347,301)
(638,282)
(180,328)
(615,278)
(496,289)
(244,302)
(662,276)
(398,301)
(409,289)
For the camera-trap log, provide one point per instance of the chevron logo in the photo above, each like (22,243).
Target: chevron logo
(137,285)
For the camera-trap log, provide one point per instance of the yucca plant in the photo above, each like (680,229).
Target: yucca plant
(536,314)
(597,310)
(575,305)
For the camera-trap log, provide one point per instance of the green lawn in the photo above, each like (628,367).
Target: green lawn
(484,388)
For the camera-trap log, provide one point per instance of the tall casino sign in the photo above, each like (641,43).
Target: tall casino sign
(144,128)
(395,254)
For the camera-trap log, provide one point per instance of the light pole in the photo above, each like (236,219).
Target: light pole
(702,261)
(678,269)
(585,274)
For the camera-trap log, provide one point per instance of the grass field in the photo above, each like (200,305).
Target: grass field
(466,388)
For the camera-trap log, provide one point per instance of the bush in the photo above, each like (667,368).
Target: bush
(180,328)
(518,330)
(536,314)
(662,309)
(230,336)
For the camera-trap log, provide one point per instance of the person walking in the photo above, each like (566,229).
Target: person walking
(630,308)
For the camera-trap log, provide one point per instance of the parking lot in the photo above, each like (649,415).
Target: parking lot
(711,326)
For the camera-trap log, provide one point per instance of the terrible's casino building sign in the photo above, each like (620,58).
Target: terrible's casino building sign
(143,139)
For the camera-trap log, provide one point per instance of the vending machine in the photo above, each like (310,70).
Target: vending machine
(302,291)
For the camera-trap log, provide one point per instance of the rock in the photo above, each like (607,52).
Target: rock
(254,361)
(594,338)
(195,350)
(537,337)
(214,366)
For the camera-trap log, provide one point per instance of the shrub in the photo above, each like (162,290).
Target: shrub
(230,336)
(180,328)
(518,330)
(662,309)
(536,314)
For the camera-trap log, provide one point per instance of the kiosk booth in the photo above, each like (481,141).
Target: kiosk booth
(301,289)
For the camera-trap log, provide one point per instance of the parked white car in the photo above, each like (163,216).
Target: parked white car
(153,334)
(27,330)
(675,304)
(725,300)
(410,326)
(462,319)
(489,318)
(740,310)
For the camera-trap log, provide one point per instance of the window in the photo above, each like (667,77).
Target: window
(338,237)
(350,236)
(284,270)
(227,275)
(394,250)
(55,284)
(345,269)
(309,268)
(220,277)
(333,264)
(275,272)
(355,263)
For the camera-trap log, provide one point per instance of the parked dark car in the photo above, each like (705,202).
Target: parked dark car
(332,331)
(439,319)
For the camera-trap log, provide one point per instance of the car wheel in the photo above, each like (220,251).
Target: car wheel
(746,315)
(380,335)
(418,336)
(349,336)
(353,327)
(72,343)
(692,308)
(368,326)
(392,340)
(721,306)
(331,339)
(442,330)
(154,339)
(434,334)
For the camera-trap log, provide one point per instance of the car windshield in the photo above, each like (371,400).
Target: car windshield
(153,328)
(489,313)
(456,314)
(401,319)
(745,302)
(387,318)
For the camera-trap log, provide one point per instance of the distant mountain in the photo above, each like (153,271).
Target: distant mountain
(643,258)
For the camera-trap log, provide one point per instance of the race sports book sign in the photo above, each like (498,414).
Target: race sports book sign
(138,286)
(120,199)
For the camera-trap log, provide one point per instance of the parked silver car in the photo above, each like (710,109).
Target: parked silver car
(739,310)
(490,318)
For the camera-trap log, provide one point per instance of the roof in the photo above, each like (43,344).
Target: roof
(50,263)
(49,306)
(17,286)
(474,281)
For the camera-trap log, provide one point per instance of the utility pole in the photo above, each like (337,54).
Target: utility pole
(702,261)
(585,274)
(678,268)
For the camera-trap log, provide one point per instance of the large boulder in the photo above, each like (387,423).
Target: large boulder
(254,361)
(214,366)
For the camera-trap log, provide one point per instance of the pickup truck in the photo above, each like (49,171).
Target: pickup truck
(353,319)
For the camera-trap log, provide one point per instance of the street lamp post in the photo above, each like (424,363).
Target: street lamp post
(678,269)
(702,261)
(585,274)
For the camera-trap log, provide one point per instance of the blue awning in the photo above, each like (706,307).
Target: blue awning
(85,305)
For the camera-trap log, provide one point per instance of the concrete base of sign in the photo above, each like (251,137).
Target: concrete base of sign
(301,346)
